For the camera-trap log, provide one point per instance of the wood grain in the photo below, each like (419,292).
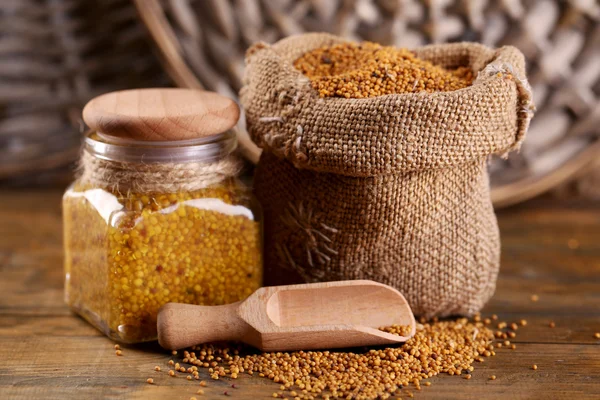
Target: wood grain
(49,353)
(161,114)
(309,316)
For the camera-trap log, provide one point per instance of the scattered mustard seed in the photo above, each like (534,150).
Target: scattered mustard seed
(513,346)
(150,381)
(535,297)
(573,244)
(202,383)
(200,391)
(597,335)
(468,376)
(119,352)
(171,362)
(552,324)
(400,330)
(157,368)
(523,322)
(534,367)
(376,373)
(493,377)
(117,347)
(171,372)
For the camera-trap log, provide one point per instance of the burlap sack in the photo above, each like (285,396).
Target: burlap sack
(392,188)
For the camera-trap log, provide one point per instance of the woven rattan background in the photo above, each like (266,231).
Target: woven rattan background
(54,56)
(561,40)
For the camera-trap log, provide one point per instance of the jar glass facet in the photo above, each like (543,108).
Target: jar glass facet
(128,253)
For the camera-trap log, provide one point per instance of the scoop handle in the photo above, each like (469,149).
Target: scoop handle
(185,325)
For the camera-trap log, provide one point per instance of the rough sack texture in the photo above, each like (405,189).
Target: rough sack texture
(391,188)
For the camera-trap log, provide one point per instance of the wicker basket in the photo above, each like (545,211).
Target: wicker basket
(54,56)
(203,45)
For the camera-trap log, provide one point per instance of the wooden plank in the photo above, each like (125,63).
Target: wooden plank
(32,281)
(571,372)
(90,366)
(15,326)
(555,298)
(574,329)
(50,353)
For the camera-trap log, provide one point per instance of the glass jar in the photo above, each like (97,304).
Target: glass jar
(154,222)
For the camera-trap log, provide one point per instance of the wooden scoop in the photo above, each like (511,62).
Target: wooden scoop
(310,316)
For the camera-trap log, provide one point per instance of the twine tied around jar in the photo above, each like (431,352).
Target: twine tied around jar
(143,177)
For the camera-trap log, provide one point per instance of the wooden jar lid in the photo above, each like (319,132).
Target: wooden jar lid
(161,114)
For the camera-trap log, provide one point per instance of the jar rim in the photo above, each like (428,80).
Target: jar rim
(206,149)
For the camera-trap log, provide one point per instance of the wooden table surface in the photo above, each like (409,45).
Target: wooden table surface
(552,250)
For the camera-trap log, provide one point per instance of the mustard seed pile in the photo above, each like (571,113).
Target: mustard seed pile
(449,347)
(361,70)
(400,330)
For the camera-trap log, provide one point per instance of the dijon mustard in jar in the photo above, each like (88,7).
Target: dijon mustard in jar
(158,214)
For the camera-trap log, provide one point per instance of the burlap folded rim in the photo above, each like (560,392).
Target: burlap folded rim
(387,134)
